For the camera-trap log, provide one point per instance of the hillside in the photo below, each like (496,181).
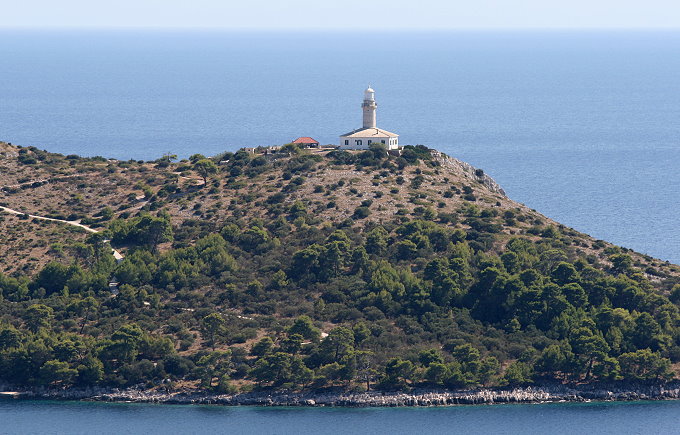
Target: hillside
(311,269)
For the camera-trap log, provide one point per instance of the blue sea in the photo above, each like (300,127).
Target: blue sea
(583,126)
(72,418)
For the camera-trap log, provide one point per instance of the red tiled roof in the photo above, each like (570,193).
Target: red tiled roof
(305,139)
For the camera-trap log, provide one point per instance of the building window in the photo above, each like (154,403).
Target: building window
(369,141)
(346,142)
(383,141)
(358,142)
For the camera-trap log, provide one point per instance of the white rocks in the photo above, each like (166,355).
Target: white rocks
(539,394)
(468,171)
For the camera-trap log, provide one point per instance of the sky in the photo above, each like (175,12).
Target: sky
(342,14)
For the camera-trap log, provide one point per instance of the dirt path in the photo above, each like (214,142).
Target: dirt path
(74,223)
(117,255)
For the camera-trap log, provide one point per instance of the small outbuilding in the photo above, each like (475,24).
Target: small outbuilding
(306,141)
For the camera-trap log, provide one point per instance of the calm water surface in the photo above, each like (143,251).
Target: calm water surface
(90,418)
(582,126)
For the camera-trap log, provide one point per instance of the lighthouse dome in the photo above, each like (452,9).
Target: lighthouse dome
(369,93)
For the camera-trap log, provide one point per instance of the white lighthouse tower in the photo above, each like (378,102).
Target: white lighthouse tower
(368,106)
(369,134)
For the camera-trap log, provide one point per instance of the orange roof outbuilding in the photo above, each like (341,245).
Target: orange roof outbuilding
(306,141)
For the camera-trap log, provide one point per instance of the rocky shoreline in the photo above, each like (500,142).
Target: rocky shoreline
(423,398)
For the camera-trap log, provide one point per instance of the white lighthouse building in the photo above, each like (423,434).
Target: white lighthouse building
(369,134)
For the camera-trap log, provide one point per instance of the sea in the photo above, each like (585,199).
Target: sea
(72,418)
(583,126)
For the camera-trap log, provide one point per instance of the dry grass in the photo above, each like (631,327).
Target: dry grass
(79,188)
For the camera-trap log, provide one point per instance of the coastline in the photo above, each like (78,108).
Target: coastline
(416,398)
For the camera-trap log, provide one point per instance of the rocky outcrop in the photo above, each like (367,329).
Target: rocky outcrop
(468,171)
(542,394)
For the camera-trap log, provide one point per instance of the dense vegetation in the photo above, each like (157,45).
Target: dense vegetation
(475,296)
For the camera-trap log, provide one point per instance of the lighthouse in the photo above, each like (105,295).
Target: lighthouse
(369,133)
(368,106)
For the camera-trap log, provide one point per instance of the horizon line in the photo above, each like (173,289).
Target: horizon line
(331,29)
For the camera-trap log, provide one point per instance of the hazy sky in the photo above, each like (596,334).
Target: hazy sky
(338,14)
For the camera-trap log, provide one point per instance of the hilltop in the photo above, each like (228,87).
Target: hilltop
(314,269)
